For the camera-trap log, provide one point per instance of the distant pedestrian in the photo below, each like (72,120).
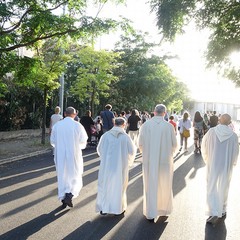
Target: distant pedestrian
(107,118)
(213,120)
(77,117)
(157,142)
(199,130)
(220,152)
(88,124)
(184,126)
(68,138)
(117,152)
(175,116)
(55,118)
(171,120)
(134,122)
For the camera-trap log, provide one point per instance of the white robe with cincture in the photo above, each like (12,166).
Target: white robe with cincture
(157,142)
(220,152)
(117,153)
(68,138)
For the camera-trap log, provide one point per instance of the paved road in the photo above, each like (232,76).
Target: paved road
(30,209)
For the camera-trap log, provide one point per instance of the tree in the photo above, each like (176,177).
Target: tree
(222,17)
(94,74)
(25,23)
(144,80)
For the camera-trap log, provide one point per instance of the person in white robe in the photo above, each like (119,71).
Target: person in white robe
(117,153)
(220,152)
(157,142)
(68,139)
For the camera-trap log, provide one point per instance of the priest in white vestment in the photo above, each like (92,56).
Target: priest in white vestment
(117,153)
(68,138)
(220,152)
(157,142)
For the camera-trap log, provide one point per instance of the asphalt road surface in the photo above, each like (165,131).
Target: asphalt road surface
(29,208)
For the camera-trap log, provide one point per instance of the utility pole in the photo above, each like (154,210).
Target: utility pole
(61,80)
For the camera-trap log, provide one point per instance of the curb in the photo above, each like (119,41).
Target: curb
(20,157)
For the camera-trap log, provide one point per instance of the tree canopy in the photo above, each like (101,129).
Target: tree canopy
(24,23)
(222,17)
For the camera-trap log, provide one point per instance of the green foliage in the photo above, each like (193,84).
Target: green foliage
(222,17)
(25,23)
(94,74)
(143,81)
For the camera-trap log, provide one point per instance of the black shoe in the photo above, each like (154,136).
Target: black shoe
(64,205)
(120,213)
(151,220)
(224,215)
(212,220)
(103,213)
(68,199)
(162,218)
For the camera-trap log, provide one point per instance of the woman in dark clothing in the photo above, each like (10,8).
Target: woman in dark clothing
(87,122)
(133,125)
(199,130)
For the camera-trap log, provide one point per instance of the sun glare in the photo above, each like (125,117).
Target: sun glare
(189,67)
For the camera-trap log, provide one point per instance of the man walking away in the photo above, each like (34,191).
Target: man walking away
(107,118)
(157,142)
(68,139)
(117,153)
(220,152)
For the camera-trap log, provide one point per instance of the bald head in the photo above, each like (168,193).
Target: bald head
(119,122)
(225,119)
(70,112)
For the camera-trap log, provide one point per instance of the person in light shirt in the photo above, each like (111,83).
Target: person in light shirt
(55,118)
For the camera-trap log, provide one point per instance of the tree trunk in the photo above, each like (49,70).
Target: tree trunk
(44,116)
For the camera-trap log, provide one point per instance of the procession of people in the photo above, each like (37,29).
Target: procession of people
(155,138)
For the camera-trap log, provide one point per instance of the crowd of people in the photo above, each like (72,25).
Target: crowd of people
(118,138)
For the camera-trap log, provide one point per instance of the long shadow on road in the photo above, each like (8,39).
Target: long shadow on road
(29,228)
(194,162)
(95,229)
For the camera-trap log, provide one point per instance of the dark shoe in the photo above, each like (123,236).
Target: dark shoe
(64,205)
(213,220)
(120,214)
(103,214)
(151,220)
(68,199)
(224,215)
(162,218)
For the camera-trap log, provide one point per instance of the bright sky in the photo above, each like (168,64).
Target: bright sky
(204,85)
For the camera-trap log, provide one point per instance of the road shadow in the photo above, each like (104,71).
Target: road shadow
(95,229)
(136,226)
(29,228)
(194,162)
(26,190)
(219,232)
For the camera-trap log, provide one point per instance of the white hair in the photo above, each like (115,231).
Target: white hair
(160,108)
